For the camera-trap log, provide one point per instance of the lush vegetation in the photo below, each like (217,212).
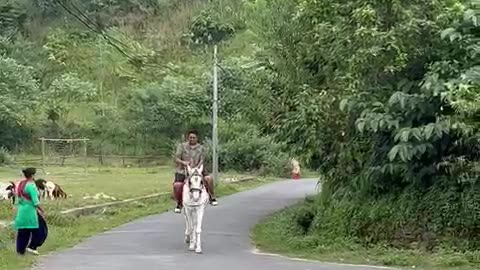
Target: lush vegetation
(381,96)
(129,78)
(400,158)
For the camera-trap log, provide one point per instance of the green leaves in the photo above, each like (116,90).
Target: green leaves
(208,29)
(451,33)
(361,124)
(405,101)
(67,92)
(166,109)
(344,104)
(70,88)
(19,91)
(376,122)
(424,117)
(406,152)
(12,17)
(472,17)
(428,131)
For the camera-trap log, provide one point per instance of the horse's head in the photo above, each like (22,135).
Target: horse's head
(195,181)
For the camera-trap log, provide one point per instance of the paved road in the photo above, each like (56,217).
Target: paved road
(156,242)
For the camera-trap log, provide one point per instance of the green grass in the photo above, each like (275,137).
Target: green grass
(66,231)
(279,234)
(116,182)
(306,173)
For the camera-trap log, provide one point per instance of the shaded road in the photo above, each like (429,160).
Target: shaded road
(156,242)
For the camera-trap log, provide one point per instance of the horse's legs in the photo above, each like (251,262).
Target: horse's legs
(187,227)
(191,232)
(198,228)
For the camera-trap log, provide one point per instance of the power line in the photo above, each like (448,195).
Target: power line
(96,28)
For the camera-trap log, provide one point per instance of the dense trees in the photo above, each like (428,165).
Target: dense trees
(406,141)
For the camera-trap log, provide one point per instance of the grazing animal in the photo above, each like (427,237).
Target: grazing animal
(3,191)
(58,191)
(195,198)
(11,191)
(49,189)
(41,187)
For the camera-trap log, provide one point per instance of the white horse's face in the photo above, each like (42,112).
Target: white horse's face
(195,183)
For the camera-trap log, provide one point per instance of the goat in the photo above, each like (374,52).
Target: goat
(11,192)
(58,192)
(41,187)
(52,190)
(46,189)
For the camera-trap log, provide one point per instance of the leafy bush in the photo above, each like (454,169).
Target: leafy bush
(164,111)
(247,149)
(243,148)
(19,91)
(209,28)
(218,22)
(5,157)
(412,220)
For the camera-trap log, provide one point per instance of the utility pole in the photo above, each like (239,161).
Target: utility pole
(100,46)
(215,116)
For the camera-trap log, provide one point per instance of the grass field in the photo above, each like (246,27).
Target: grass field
(65,231)
(120,183)
(277,234)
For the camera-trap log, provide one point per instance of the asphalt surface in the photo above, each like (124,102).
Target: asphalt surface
(157,242)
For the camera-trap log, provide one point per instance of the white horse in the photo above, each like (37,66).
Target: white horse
(195,198)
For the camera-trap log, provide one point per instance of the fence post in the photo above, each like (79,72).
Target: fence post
(43,152)
(85,154)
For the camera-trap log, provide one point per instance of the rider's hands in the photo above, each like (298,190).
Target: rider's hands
(186,163)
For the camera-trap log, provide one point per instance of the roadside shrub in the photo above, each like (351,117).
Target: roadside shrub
(411,220)
(243,148)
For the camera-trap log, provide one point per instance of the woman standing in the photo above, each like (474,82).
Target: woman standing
(27,212)
(295,169)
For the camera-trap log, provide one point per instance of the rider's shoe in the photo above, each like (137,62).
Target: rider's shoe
(214,202)
(178,209)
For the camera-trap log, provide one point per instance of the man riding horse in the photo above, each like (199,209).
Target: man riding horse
(190,153)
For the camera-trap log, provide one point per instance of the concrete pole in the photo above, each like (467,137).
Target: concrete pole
(215,116)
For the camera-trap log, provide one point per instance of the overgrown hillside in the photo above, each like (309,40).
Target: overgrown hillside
(132,76)
(381,96)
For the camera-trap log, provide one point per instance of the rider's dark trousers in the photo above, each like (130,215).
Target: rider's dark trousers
(178,187)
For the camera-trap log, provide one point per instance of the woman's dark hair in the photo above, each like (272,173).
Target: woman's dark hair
(29,172)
